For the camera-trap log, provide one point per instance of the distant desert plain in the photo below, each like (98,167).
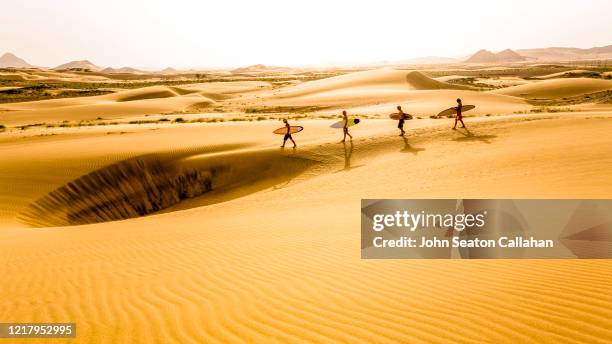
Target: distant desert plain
(158,206)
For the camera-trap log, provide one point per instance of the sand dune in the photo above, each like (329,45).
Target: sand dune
(504,81)
(60,159)
(147,184)
(557,88)
(282,264)
(137,102)
(85,109)
(577,73)
(228,87)
(47,75)
(210,233)
(380,101)
(427,103)
(142,93)
(380,91)
(447,78)
(386,78)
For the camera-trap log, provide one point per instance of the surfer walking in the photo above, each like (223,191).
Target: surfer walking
(459,116)
(287,134)
(345,127)
(402,118)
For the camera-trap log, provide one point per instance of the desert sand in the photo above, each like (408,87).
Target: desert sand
(271,251)
(558,88)
(141,101)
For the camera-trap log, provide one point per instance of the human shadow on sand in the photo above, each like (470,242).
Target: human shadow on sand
(348,154)
(470,136)
(408,148)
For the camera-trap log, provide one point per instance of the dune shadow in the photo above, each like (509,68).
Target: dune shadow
(162,182)
(470,136)
(408,148)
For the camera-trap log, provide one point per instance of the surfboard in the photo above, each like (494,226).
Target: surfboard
(283,130)
(453,110)
(396,116)
(351,122)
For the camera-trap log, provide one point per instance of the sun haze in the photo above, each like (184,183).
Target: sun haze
(213,171)
(233,33)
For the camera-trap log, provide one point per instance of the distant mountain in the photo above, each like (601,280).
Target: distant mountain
(599,50)
(509,55)
(169,70)
(260,68)
(9,60)
(82,64)
(482,56)
(485,56)
(257,67)
(561,54)
(129,70)
(109,70)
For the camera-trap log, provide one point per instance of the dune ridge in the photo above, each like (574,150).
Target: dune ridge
(381,90)
(557,88)
(576,73)
(122,104)
(386,77)
(143,93)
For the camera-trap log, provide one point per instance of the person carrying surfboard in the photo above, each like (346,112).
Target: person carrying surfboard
(345,128)
(459,116)
(402,118)
(288,134)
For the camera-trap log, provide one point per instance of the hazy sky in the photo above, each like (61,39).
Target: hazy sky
(236,33)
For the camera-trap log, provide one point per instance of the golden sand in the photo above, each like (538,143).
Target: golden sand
(277,259)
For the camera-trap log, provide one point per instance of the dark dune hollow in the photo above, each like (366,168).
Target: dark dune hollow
(124,190)
(145,185)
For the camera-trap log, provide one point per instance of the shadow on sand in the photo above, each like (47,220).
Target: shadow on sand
(469,136)
(348,153)
(408,148)
(162,182)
